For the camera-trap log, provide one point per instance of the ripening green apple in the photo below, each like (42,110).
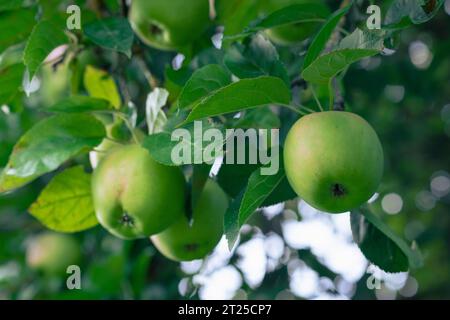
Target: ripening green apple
(184,242)
(288,34)
(169,24)
(134,196)
(333,160)
(52,253)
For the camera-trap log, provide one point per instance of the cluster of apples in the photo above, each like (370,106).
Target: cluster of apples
(333,160)
(137,197)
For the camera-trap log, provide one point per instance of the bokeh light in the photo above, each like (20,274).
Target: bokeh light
(420,54)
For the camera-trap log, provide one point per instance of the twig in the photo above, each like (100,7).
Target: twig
(333,88)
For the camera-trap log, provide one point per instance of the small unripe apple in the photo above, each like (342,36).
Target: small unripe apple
(169,24)
(52,253)
(333,160)
(135,196)
(185,242)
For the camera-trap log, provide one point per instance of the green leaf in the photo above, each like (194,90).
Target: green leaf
(46,36)
(161,145)
(99,84)
(257,57)
(359,39)
(231,220)
(322,37)
(10,182)
(403,13)
(174,81)
(258,188)
(203,82)
(49,144)
(65,205)
(16,26)
(10,82)
(156,118)
(240,95)
(175,120)
(111,33)
(233,178)
(294,14)
(282,192)
(351,49)
(311,260)
(381,245)
(76,104)
(326,67)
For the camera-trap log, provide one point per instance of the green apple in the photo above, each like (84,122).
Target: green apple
(52,252)
(169,24)
(133,195)
(293,33)
(185,242)
(333,160)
